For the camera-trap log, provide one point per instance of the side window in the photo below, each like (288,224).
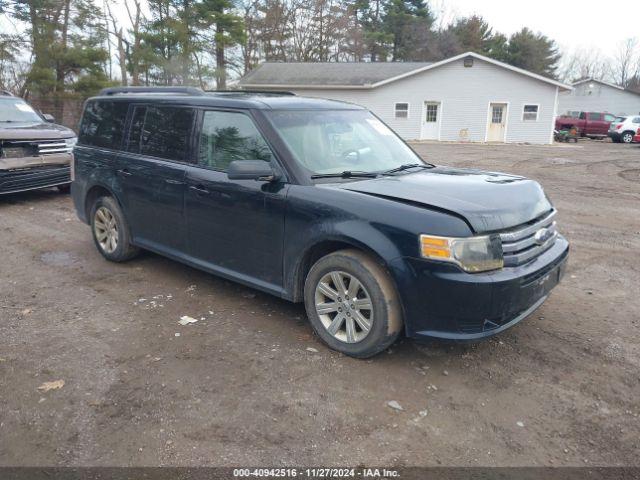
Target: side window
(103,124)
(608,117)
(162,132)
(583,116)
(135,130)
(636,119)
(229,136)
(530,113)
(401,110)
(595,116)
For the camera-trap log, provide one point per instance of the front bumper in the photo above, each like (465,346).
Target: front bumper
(614,135)
(23,179)
(442,301)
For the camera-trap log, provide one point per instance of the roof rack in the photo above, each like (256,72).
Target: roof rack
(182,90)
(6,93)
(253,91)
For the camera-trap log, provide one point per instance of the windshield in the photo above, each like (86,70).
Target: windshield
(16,110)
(334,141)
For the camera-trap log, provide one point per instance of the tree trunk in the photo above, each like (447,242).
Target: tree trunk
(221,74)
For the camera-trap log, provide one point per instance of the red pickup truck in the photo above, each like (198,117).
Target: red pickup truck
(589,124)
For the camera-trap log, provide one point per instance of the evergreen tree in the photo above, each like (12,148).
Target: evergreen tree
(532,51)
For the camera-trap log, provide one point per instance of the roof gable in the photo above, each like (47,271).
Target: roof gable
(607,84)
(367,75)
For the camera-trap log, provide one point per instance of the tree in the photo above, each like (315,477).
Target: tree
(473,34)
(404,21)
(532,51)
(625,63)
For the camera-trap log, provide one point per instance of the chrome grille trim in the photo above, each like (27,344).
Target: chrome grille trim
(43,147)
(519,246)
(514,235)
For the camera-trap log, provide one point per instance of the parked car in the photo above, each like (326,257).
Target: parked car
(589,124)
(623,129)
(315,201)
(34,151)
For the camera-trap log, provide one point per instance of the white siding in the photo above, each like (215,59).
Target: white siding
(599,98)
(465,94)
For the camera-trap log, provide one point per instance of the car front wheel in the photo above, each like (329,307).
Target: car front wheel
(352,304)
(110,231)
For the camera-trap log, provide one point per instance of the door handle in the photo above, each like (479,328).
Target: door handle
(124,172)
(199,189)
(173,182)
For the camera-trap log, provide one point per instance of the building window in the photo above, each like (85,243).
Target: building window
(530,113)
(432,113)
(402,110)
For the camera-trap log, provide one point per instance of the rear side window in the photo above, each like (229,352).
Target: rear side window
(636,119)
(103,124)
(162,132)
(595,116)
(229,136)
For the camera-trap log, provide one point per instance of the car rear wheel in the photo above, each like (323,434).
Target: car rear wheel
(352,304)
(627,137)
(110,231)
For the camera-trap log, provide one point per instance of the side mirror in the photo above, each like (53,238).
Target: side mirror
(251,170)
(48,117)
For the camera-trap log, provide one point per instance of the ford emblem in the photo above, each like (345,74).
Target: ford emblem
(542,236)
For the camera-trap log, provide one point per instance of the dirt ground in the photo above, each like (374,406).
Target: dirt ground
(240,387)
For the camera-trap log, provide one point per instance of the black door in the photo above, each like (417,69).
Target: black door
(234,227)
(152,175)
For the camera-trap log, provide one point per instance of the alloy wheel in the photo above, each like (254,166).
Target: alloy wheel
(105,229)
(344,306)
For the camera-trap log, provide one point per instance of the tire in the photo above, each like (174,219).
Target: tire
(113,243)
(627,137)
(64,188)
(384,317)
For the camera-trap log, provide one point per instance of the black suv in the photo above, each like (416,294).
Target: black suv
(316,201)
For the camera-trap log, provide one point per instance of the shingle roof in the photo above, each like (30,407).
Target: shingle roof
(357,75)
(328,73)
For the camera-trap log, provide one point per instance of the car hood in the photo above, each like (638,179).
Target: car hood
(33,131)
(488,201)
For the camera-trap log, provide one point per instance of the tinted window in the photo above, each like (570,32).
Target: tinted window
(135,130)
(103,124)
(595,116)
(229,136)
(162,132)
(583,116)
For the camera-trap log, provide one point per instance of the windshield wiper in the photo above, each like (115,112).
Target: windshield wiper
(407,166)
(346,174)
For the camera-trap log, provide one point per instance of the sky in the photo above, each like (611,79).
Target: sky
(575,25)
(585,24)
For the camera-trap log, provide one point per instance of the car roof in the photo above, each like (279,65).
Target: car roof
(227,99)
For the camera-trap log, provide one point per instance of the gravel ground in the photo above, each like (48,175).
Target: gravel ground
(248,384)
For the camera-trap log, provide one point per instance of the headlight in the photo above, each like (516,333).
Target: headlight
(71,141)
(472,254)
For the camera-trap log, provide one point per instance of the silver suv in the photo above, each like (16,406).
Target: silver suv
(34,151)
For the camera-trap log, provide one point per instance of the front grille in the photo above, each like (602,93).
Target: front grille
(32,148)
(524,243)
(31,178)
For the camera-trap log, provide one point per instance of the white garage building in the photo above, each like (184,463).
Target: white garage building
(468,97)
(589,95)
